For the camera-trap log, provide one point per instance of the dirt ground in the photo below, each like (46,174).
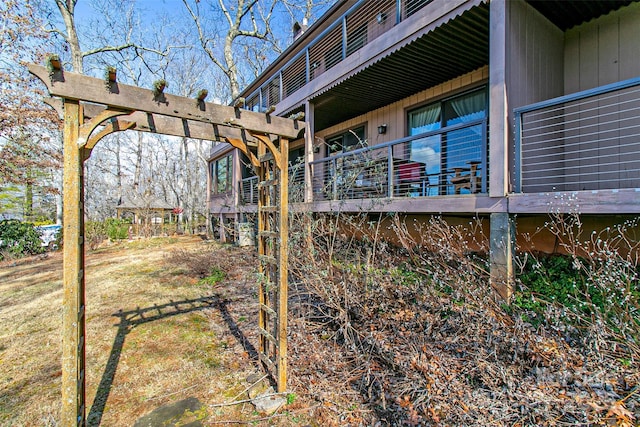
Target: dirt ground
(155,336)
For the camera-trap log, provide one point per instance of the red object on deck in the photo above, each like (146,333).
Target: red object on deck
(410,171)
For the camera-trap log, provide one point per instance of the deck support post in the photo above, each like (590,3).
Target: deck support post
(501,253)
(73,306)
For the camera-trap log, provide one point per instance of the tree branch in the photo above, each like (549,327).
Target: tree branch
(204,41)
(107,49)
(130,46)
(55,31)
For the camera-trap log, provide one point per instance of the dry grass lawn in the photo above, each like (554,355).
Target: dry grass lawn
(155,334)
(368,346)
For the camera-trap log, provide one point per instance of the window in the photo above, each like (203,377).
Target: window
(444,151)
(350,140)
(271,93)
(426,150)
(221,175)
(464,145)
(344,169)
(253,103)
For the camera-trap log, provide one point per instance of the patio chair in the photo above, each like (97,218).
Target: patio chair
(466,178)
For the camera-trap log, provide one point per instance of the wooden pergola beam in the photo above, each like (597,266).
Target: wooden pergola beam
(79,87)
(156,123)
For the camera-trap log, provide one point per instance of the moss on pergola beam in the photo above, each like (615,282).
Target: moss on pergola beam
(79,87)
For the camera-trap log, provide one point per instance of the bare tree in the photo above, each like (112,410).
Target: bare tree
(243,19)
(28,133)
(113,37)
(116,34)
(107,10)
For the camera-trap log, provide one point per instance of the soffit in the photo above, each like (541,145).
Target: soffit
(450,50)
(568,14)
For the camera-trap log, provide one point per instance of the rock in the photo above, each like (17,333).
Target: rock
(267,403)
(188,412)
(258,389)
(255,377)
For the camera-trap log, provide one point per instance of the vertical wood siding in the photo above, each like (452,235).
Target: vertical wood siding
(534,64)
(535,56)
(394,115)
(603,51)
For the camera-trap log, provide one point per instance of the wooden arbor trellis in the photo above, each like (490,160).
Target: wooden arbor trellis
(93,108)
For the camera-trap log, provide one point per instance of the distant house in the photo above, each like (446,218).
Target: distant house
(504,110)
(148,213)
(5,216)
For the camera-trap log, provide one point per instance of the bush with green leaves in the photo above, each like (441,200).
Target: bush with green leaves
(95,233)
(215,276)
(18,239)
(117,229)
(593,286)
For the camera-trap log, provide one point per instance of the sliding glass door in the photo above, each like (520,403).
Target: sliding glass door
(444,152)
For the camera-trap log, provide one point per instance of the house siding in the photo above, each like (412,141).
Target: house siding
(395,115)
(598,53)
(534,67)
(603,51)
(534,64)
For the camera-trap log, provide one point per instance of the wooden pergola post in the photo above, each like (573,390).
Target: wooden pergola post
(73,301)
(283,283)
(85,105)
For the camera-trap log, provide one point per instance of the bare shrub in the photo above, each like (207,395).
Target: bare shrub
(600,295)
(201,263)
(412,334)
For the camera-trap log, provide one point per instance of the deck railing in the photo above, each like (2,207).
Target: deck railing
(360,25)
(447,161)
(451,160)
(249,190)
(585,141)
(249,186)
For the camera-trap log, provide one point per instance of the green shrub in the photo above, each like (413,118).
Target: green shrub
(608,289)
(95,233)
(117,229)
(18,239)
(553,278)
(215,276)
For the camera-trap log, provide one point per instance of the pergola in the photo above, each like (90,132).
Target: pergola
(93,108)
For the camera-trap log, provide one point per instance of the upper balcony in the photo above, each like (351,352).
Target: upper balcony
(585,142)
(355,59)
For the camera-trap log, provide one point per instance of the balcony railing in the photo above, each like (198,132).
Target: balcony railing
(249,186)
(584,141)
(249,191)
(359,26)
(447,161)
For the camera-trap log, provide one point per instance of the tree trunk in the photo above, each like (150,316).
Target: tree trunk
(67,11)
(28,202)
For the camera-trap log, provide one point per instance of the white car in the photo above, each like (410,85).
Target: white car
(49,235)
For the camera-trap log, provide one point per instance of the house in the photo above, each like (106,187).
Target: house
(147,213)
(506,110)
